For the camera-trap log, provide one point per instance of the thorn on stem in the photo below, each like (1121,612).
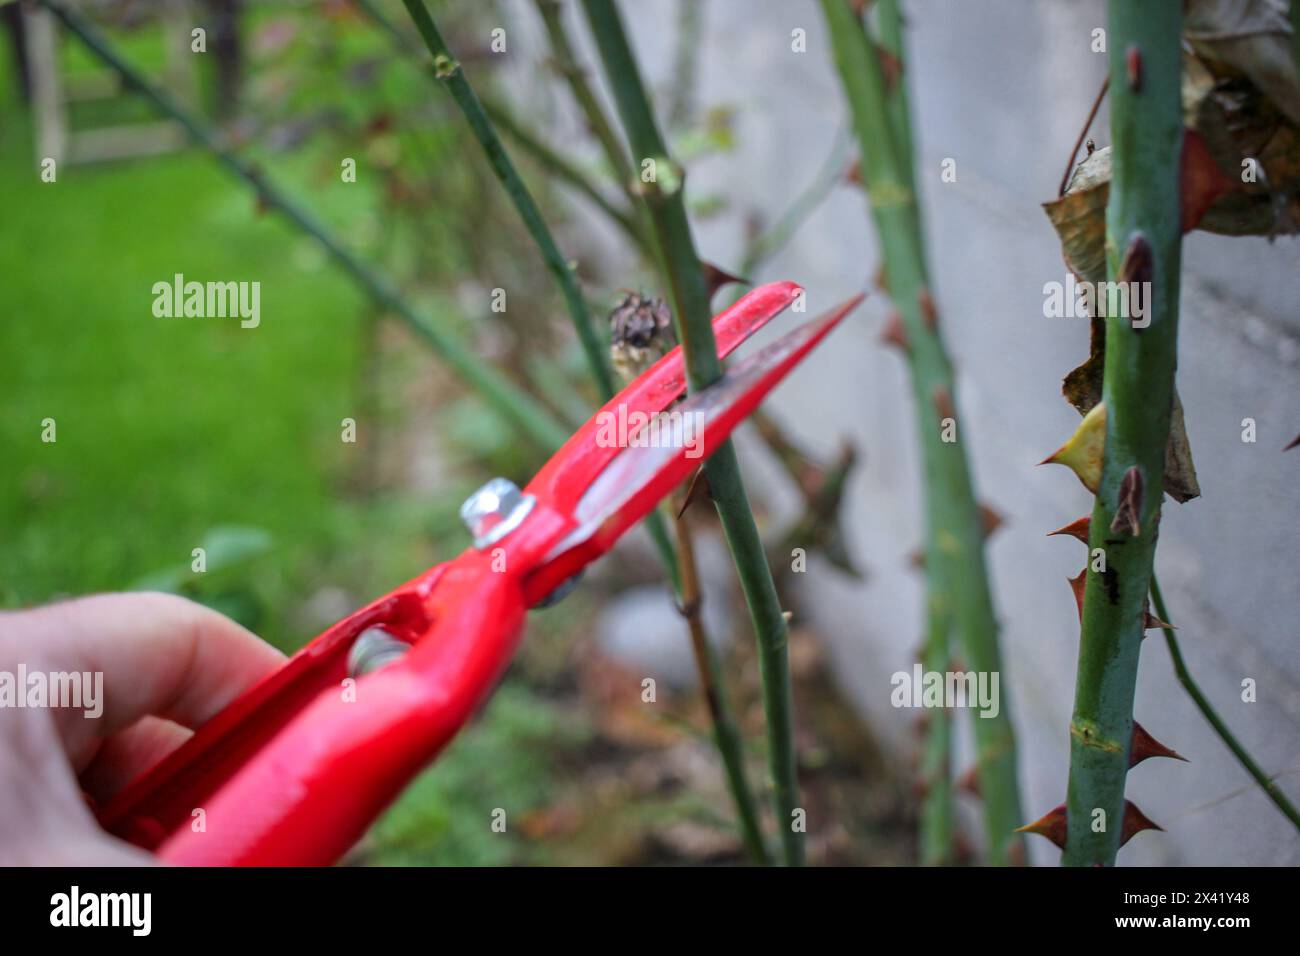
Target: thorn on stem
(894,333)
(715,278)
(943,403)
(969,781)
(929,314)
(1144,746)
(1133,67)
(891,68)
(1149,621)
(1136,265)
(1085,449)
(1075,529)
(1077,585)
(1128,513)
(963,850)
(1052,825)
(1135,821)
(699,486)
(990,519)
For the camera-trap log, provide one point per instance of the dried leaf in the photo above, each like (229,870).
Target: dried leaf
(1242,128)
(1082,389)
(1203,181)
(1180,471)
(1080,217)
(1252,37)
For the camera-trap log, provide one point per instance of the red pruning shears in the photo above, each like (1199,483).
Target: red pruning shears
(294,771)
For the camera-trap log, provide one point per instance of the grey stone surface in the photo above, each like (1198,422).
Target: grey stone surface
(1001,86)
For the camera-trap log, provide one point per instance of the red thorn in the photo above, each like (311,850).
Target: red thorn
(917,558)
(1149,621)
(698,488)
(1077,585)
(1075,529)
(1133,66)
(1052,825)
(890,66)
(943,403)
(894,333)
(853,176)
(929,315)
(963,851)
(1135,821)
(970,781)
(1144,746)
(990,519)
(1129,509)
(715,278)
(1136,265)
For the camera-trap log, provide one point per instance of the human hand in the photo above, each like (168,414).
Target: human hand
(154,666)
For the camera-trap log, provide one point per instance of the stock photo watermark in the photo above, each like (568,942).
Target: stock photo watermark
(208,300)
(620,428)
(133,911)
(36,689)
(921,688)
(1073,299)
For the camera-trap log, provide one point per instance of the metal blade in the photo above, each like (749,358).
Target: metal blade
(575,466)
(661,456)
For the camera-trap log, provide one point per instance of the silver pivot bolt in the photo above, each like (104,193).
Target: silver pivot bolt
(374,648)
(494,511)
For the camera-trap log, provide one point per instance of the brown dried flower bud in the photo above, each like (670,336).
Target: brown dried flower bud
(640,332)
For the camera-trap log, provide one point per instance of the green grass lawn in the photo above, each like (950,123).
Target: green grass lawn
(165,427)
(169,427)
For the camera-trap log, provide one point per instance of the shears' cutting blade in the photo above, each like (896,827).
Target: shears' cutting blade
(575,466)
(659,457)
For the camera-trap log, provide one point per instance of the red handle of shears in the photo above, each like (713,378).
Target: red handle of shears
(294,771)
